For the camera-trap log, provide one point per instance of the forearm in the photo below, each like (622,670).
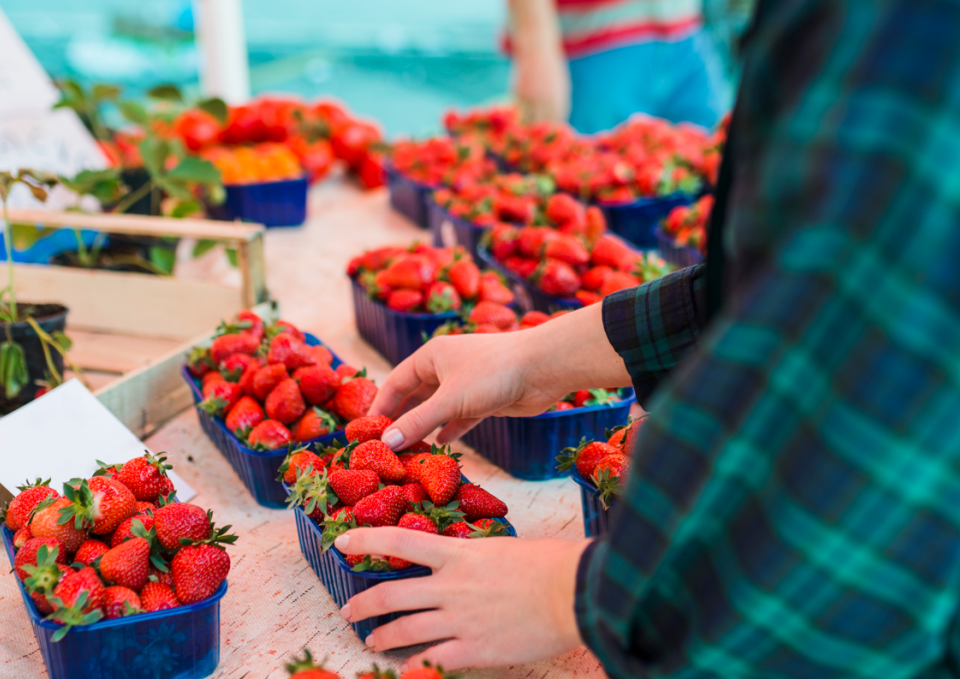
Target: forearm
(534,25)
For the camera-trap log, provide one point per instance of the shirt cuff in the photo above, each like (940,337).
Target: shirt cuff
(580,600)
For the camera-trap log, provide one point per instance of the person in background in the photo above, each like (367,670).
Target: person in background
(597,62)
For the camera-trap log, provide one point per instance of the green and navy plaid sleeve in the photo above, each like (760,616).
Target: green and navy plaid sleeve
(794,504)
(654,326)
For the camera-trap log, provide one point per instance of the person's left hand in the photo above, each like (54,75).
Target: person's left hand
(496,601)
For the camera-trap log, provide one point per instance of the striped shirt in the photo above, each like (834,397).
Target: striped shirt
(597,25)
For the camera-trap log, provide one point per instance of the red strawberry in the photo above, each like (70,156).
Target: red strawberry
(476,503)
(586,298)
(21,536)
(45,524)
(562,207)
(146,508)
(221,397)
(78,599)
(440,477)
(493,314)
(19,509)
(383,508)
(126,565)
(345,371)
(89,551)
(376,456)
(608,251)
(418,447)
(199,362)
(249,323)
(426,672)
(592,397)
(405,300)
(125,530)
(492,289)
(198,570)
(442,297)
(511,208)
(617,281)
(144,476)
(163,577)
(314,424)
(596,223)
(27,555)
(99,504)
(209,380)
(119,602)
(269,435)
(413,466)
(415,495)
(413,271)
(533,238)
(245,413)
(534,318)
(610,476)
(412,521)
(234,366)
(524,267)
(321,354)
(157,597)
(297,463)
(566,248)
(560,405)
(352,485)
(290,351)
(504,239)
(354,398)
(464,275)
(181,520)
(246,379)
(266,378)
(226,345)
(285,327)
(285,403)
(460,529)
(557,278)
(318,383)
(367,428)
(594,278)
(624,438)
(305,668)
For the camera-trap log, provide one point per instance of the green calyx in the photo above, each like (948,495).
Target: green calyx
(36,484)
(214,406)
(311,490)
(303,664)
(599,397)
(609,486)
(372,565)
(159,555)
(377,673)
(69,616)
(105,469)
(45,575)
(334,527)
(200,356)
(492,530)
(291,451)
(81,508)
(568,456)
(441,516)
(218,537)
(234,328)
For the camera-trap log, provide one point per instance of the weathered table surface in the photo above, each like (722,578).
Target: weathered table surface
(275,604)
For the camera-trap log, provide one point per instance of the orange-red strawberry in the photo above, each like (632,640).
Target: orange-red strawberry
(412,521)
(266,378)
(235,365)
(413,467)
(199,569)
(405,300)
(209,380)
(314,424)
(318,383)
(504,239)
(617,281)
(531,319)
(415,494)
(99,504)
(383,508)
(321,354)
(285,403)
(345,371)
(586,298)
(586,456)
(610,476)
(593,279)
(269,435)
(181,520)
(250,324)
(286,327)
(125,530)
(412,271)
(354,398)
(352,485)
(226,345)
(624,438)
(428,671)
(305,668)
(493,314)
(146,507)
(27,555)
(77,599)
(21,536)
(442,297)
(367,428)
(476,503)
(18,511)
(418,447)
(157,597)
(126,565)
(245,413)
(566,248)
(608,251)
(557,278)
(90,551)
(464,275)
(492,289)
(596,223)
(297,462)
(45,524)
(376,456)
(199,362)
(460,529)
(119,602)
(440,477)
(290,351)
(562,207)
(532,239)
(221,397)
(144,476)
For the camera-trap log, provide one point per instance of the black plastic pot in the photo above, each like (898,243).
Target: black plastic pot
(134,178)
(51,318)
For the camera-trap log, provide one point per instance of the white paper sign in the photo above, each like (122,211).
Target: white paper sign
(61,435)
(25,88)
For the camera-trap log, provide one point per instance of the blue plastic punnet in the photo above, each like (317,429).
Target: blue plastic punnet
(678,255)
(635,222)
(527,447)
(179,643)
(257,468)
(408,197)
(448,230)
(596,519)
(528,296)
(272,204)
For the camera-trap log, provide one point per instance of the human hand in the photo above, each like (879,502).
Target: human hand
(541,85)
(496,601)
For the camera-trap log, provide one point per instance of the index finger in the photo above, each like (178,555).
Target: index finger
(402,381)
(425,549)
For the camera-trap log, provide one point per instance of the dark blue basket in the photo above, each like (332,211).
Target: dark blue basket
(448,230)
(394,334)
(678,255)
(408,197)
(341,582)
(635,222)
(529,297)
(257,468)
(180,643)
(272,204)
(596,519)
(527,447)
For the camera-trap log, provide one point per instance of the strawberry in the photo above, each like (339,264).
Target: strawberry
(336,525)
(533,238)
(517,209)
(594,278)
(347,371)
(376,456)
(596,223)
(314,424)
(45,524)
(383,508)
(476,503)
(532,319)
(318,383)
(266,378)
(440,477)
(586,456)
(460,529)
(290,351)
(245,323)
(297,462)
(17,513)
(29,554)
(608,251)
(562,207)
(352,485)
(42,575)
(221,397)
(405,300)
(90,551)
(354,398)
(493,314)
(413,467)
(285,403)
(592,397)
(226,345)
(560,405)
(624,438)
(415,495)
(586,298)
(320,354)
(418,447)
(268,435)
(144,476)
(305,668)
(119,602)
(556,278)
(157,597)
(442,297)
(126,565)
(146,508)
(235,365)
(492,289)
(522,266)
(312,493)
(464,275)
(412,271)
(99,504)
(617,281)
(199,362)
(377,673)
(246,412)
(412,521)
(488,528)
(125,530)
(428,671)
(181,521)
(566,248)
(21,536)
(610,476)
(163,577)
(200,568)
(367,428)
(77,600)
(504,239)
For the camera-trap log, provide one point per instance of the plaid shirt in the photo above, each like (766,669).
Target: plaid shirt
(794,504)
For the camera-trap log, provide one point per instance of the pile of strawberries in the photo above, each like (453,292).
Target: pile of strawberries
(367,484)
(114,545)
(426,279)
(606,464)
(442,161)
(687,224)
(306,668)
(271,388)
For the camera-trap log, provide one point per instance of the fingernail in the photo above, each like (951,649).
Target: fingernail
(369,641)
(342,542)
(345,611)
(393,438)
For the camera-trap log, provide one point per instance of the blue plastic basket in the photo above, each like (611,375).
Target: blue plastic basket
(677,255)
(527,447)
(180,643)
(408,197)
(596,519)
(394,334)
(529,297)
(61,240)
(448,230)
(341,582)
(257,468)
(272,204)
(635,222)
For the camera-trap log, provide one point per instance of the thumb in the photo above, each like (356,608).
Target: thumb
(417,423)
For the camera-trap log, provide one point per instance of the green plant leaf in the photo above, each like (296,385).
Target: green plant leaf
(215,106)
(167,92)
(192,169)
(177,189)
(102,92)
(185,208)
(13,368)
(62,340)
(163,258)
(203,247)
(155,153)
(71,95)
(134,111)
(232,257)
(25,235)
